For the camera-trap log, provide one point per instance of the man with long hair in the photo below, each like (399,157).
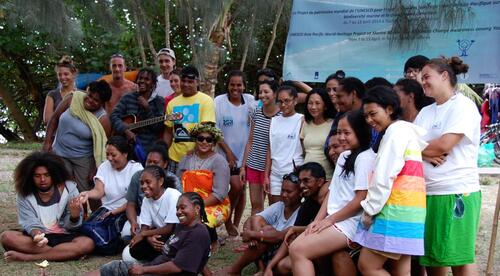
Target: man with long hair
(49,212)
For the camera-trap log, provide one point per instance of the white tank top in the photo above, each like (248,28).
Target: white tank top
(284,136)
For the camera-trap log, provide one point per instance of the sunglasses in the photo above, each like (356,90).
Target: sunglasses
(292,178)
(117,56)
(205,138)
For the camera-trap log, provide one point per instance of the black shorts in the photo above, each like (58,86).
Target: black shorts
(55,239)
(234,171)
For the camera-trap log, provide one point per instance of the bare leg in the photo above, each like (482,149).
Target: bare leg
(17,241)
(305,249)
(240,207)
(465,270)
(437,271)
(93,273)
(234,197)
(249,256)
(343,264)
(65,251)
(284,267)
(372,264)
(256,197)
(401,267)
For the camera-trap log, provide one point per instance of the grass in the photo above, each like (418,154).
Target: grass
(11,154)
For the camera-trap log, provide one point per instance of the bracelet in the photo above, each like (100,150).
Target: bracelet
(261,236)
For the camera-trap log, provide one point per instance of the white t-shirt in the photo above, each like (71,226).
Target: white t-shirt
(343,189)
(284,140)
(157,213)
(163,88)
(274,215)
(115,183)
(458,174)
(234,123)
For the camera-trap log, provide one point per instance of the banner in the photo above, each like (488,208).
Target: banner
(360,37)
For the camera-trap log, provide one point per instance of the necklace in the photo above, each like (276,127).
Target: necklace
(198,162)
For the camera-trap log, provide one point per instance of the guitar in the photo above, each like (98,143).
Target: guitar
(132,122)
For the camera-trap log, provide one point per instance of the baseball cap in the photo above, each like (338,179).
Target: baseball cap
(190,72)
(166,51)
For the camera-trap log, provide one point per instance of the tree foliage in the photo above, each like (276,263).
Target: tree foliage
(210,34)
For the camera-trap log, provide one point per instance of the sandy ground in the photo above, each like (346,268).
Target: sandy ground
(8,219)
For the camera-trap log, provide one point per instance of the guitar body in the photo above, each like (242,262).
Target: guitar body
(129,119)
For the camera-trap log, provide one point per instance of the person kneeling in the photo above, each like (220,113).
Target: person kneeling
(186,251)
(264,232)
(49,211)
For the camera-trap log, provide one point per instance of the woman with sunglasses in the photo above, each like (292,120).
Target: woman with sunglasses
(334,227)
(285,151)
(450,170)
(207,172)
(392,224)
(264,232)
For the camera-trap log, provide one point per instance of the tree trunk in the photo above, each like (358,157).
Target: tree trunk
(146,28)
(249,38)
(218,34)
(192,44)
(17,115)
(273,36)
(167,23)
(8,135)
(139,37)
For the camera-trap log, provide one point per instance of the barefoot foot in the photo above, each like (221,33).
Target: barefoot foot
(14,256)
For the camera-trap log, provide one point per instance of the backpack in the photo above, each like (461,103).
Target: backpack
(105,232)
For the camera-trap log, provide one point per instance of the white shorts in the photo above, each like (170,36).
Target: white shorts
(276,182)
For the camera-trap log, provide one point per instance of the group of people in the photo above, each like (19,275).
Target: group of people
(372,178)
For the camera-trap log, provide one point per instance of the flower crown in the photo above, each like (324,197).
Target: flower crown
(207,127)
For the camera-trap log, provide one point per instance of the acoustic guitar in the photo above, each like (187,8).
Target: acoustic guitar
(132,122)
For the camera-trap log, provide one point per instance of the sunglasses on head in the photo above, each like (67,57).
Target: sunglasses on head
(189,76)
(205,138)
(292,178)
(117,55)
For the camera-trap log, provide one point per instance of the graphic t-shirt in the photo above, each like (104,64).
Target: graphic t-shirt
(195,109)
(234,123)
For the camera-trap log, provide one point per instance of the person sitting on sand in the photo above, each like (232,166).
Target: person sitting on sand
(49,212)
(184,253)
(263,233)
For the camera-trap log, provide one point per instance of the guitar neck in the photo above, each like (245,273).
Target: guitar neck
(148,122)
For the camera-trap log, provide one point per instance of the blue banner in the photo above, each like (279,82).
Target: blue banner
(360,37)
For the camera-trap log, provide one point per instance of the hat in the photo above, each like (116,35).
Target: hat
(166,51)
(207,127)
(190,72)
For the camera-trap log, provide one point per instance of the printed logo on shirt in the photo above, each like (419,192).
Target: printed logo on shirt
(436,125)
(291,136)
(227,121)
(181,134)
(166,247)
(191,113)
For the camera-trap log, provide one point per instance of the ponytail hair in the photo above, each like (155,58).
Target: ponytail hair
(454,66)
(66,62)
(158,172)
(196,199)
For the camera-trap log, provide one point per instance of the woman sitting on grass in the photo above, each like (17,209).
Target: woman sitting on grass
(264,232)
(184,253)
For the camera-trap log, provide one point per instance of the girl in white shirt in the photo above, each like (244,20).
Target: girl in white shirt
(335,225)
(285,148)
(450,170)
(158,214)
